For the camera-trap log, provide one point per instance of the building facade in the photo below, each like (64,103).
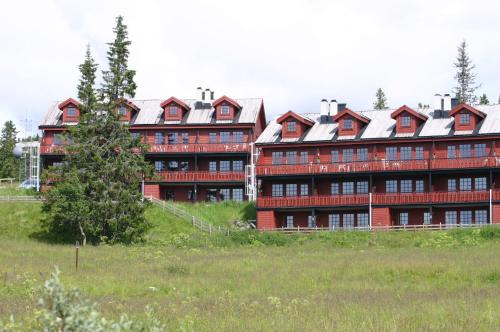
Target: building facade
(341,168)
(199,147)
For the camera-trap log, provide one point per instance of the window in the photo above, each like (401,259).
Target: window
(304,189)
(238,194)
(238,137)
(405,121)
(481,216)
(427,218)
(419,186)
(277,157)
(452,185)
(224,110)
(333,221)
(464,118)
(348,124)
(406,153)
(291,189)
(391,153)
(172,138)
(277,190)
(348,188)
(391,186)
(362,187)
(335,156)
(122,110)
(184,166)
(289,221)
(225,137)
(465,151)
(362,154)
(212,138)
(173,165)
(58,140)
(71,111)
(237,165)
(348,220)
(159,138)
(347,155)
(159,165)
(480,183)
(291,157)
(291,126)
(465,184)
(225,165)
(363,220)
(136,135)
(334,188)
(406,186)
(450,217)
(172,111)
(212,166)
(304,156)
(419,152)
(480,150)
(185,138)
(466,217)
(225,194)
(451,152)
(311,221)
(403,218)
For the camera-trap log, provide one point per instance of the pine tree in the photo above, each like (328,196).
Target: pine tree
(381,102)
(483,100)
(86,90)
(9,165)
(465,77)
(101,173)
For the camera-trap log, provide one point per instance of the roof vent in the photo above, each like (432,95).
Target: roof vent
(341,107)
(324,110)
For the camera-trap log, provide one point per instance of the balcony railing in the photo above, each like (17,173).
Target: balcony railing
(378,199)
(199,148)
(376,166)
(52,149)
(199,176)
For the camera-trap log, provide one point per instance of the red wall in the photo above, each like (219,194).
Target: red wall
(266,220)
(381,217)
(152,190)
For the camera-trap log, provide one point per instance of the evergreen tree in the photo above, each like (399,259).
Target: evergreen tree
(101,172)
(9,165)
(483,100)
(381,102)
(465,77)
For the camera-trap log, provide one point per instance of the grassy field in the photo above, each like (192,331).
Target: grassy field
(223,213)
(8,190)
(437,281)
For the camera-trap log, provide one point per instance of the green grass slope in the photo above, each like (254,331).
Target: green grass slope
(223,213)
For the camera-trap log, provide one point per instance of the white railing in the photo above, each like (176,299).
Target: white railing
(20,199)
(181,213)
(376,228)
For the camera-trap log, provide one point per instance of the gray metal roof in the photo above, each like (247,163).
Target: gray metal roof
(382,126)
(150,113)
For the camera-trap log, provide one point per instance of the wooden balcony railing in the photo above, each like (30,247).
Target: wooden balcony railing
(52,149)
(200,176)
(377,166)
(378,199)
(199,148)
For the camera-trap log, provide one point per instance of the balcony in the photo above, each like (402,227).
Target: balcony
(376,166)
(378,199)
(199,148)
(52,149)
(200,176)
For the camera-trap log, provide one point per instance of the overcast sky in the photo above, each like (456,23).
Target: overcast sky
(291,53)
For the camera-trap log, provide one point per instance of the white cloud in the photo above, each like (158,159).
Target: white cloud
(291,53)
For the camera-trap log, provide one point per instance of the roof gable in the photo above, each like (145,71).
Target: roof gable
(227,99)
(464,106)
(296,116)
(355,115)
(407,109)
(69,101)
(174,100)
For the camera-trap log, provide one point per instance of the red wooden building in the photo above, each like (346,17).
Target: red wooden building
(199,147)
(342,168)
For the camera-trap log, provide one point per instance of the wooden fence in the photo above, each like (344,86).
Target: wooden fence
(20,199)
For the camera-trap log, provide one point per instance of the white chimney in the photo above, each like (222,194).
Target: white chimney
(324,108)
(199,91)
(334,107)
(207,95)
(437,102)
(447,102)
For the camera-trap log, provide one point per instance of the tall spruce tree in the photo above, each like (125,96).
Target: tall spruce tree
(483,100)
(465,76)
(104,167)
(381,100)
(9,165)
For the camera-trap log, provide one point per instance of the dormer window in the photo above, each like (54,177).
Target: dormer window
(173,111)
(122,110)
(292,126)
(224,110)
(464,118)
(405,121)
(71,111)
(348,124)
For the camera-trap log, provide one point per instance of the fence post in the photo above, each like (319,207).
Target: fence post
(210,228)
(192,220)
